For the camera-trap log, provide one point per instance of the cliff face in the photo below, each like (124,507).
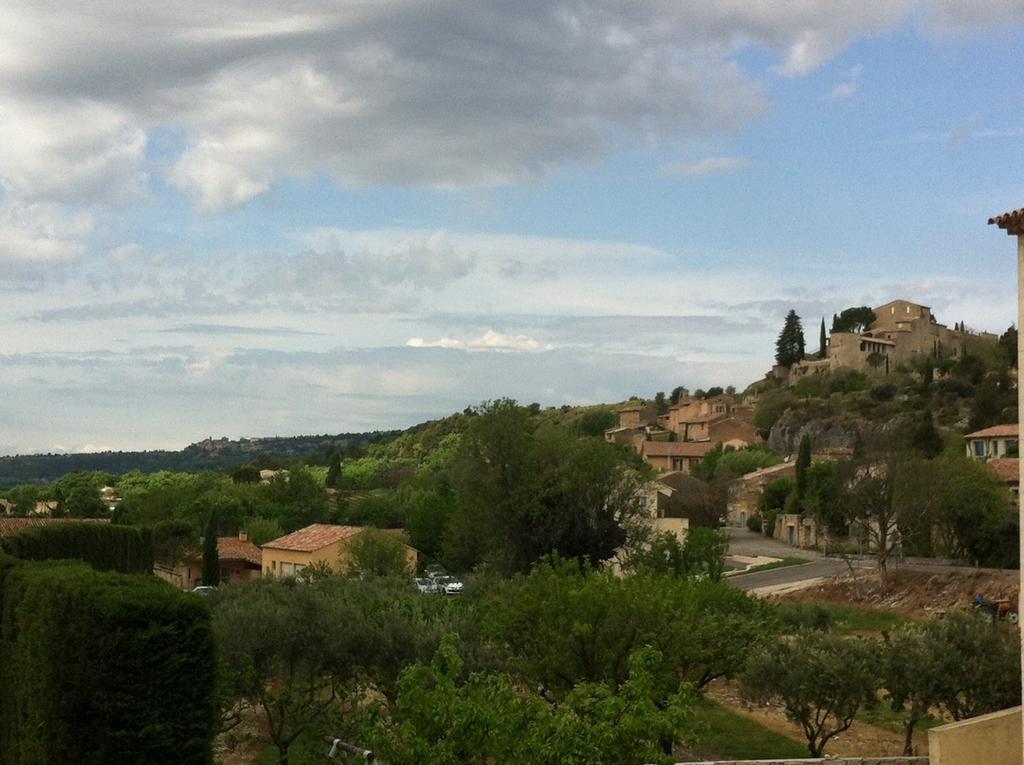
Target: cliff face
(835,432)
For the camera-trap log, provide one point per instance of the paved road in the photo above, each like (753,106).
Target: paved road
(744,542)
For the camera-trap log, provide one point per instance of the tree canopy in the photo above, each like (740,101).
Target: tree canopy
(789,348)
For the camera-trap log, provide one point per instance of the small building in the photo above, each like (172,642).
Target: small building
(796,530)
(660,501)
(319,543)
(240,560)
(744,493)
(665,456)
(995,442)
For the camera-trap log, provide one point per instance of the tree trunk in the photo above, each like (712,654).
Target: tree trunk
(908,741)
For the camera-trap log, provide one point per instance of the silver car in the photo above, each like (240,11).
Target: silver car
(448,585)
(425,584)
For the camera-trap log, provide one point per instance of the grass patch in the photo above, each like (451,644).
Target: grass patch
(882,716)
(784,563)
(726,734)
(860,619)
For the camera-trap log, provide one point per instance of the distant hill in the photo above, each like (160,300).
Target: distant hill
(209,454)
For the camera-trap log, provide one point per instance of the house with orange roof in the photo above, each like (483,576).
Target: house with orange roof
(992,443)
(318,543)
(240,560)
(674,455)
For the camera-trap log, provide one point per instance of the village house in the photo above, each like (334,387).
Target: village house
(992,443)
(239,559)
(744,493)
(320,543)
(660,500)
(667,456)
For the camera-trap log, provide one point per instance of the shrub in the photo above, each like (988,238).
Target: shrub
(103,546)
(883,392)
(102,667)
(754,522)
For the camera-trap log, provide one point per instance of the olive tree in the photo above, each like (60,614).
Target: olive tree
(821,679)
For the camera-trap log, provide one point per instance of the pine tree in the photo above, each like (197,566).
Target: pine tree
(211,561)
(822,353)
(789,348)
(803,461)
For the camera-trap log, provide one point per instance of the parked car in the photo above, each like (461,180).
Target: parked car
(448,585)
(204,589)
(433,571)
(426,584)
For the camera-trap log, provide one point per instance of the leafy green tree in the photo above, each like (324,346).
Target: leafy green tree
(377,552)
(1008,347)
(173,541)
(866,500)
(562,625)
(262,530)
(803,462)
(822,680)
(594,422)
(773,496)
(441,716)
(821,496)
(977,665)
(974,515)
(211,561)
(523,492)
(288,649)
(912,675)
(770,407)
(246,474)
(677,393)
(857,320)
(789,348)
(702,553)
(661,404)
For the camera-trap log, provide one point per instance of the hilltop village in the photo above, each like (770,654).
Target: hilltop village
(763,524)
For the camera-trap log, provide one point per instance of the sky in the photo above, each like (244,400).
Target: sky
(275,218)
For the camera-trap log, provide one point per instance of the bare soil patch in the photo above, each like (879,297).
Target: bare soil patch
(914,593)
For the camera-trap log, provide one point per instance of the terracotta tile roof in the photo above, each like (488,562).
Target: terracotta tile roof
(1011,222)
(996,431)
(313,537)
(1007,468)
(233,548)
(11,525)
(677,448)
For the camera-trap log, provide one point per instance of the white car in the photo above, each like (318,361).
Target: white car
(426,584)
(448,585)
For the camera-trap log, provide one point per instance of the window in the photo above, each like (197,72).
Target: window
(979,448)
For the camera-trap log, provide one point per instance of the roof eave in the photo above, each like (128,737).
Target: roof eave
(1012,222)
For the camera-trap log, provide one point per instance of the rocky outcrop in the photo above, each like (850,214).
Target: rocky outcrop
(835,432)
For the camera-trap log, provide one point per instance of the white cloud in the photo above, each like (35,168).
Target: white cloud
(850,85)
(489,341)
(35,235)
(124,252)
(708,166)
(402,93)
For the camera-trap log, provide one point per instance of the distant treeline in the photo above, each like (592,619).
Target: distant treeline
(210,454)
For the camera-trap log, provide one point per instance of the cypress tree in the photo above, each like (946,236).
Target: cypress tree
(789,348)
(333,471)
(211,561)
(822,353)
(803,461)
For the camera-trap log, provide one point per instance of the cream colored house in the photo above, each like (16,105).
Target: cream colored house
(318,543)
(993,443)
(240,560)
(665,456)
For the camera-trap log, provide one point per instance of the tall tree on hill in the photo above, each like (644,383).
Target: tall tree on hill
(211,561)
(821,340)
(803,461)
(333,471)
(789,348)
(858,319)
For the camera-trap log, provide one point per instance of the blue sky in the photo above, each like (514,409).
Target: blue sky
(275,218)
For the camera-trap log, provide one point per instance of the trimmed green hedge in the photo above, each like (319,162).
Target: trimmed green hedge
(127,549)
(102,668)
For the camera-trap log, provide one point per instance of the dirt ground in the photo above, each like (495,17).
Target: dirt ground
(861,740)
(241,744)
(915,593)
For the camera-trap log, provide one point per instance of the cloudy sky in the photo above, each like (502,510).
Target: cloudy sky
(257,218)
